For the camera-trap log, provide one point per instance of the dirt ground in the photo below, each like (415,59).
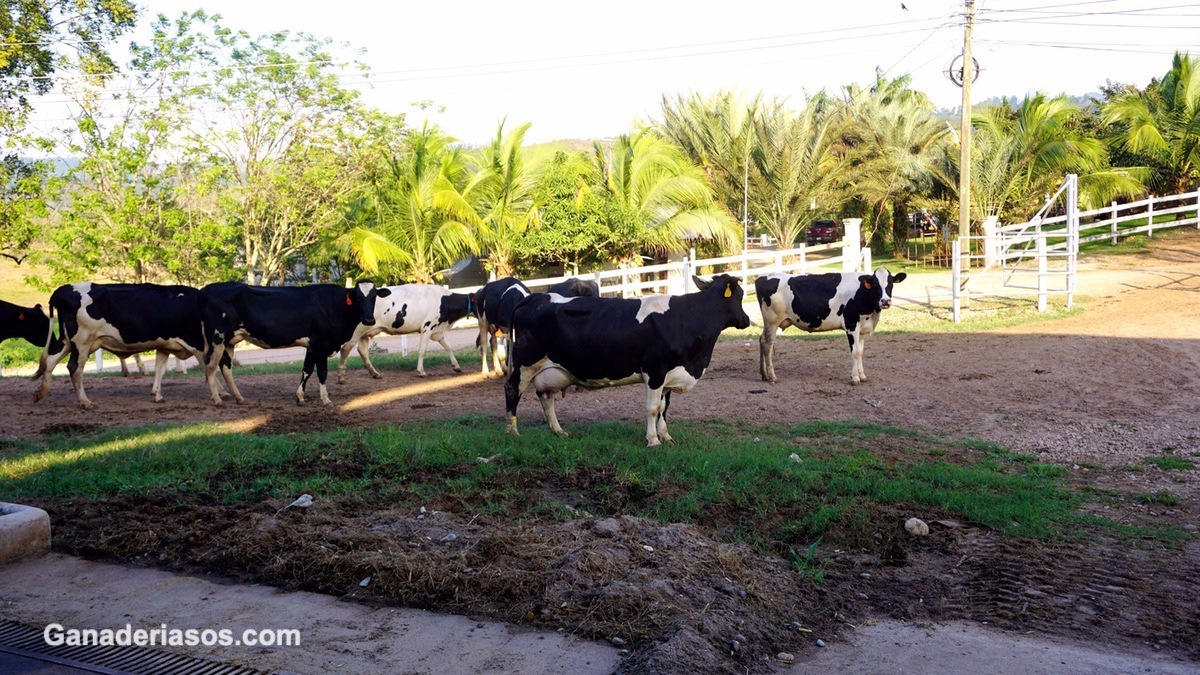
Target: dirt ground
(1094,392)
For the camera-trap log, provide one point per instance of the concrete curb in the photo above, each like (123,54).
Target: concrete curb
(24,532)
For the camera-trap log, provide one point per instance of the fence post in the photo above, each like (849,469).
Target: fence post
(851,251)
(865,267)
(1041,261)
(599,284)
(1113,227)
(1150,216)
(990,246)
(778,261)
(1072,237)
(99,361)
(803,259)
(1198,208)
(687,273)
(955,247)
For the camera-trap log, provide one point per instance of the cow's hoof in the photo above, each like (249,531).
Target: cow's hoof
(87,406)
(327,403)
(218,402)
(457,369)
(376,376)
(241,401)
(421,373)
(854,382)
(341,380)
(158,399)
(653,443)
(561,432)
(666,439)
(511,431)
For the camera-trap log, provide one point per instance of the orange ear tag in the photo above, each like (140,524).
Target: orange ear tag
(728,291)
(867,285)
(21,316)
(349,302)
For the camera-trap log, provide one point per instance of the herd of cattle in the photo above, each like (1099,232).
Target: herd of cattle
(567,336)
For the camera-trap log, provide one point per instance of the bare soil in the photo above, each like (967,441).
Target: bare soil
(1095,392)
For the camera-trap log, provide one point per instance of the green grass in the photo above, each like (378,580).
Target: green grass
(734,477)
(1161,497)
(1170,463)
(17,352)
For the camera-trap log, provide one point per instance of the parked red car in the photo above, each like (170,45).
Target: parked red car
(823,232)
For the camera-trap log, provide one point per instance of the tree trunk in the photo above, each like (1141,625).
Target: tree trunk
(900,223)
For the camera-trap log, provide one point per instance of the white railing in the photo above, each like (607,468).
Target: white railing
(1046,249)
(676,277)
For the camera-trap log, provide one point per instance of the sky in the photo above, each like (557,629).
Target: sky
(591,70)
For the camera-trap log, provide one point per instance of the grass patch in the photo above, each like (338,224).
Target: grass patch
(1161,497)
(1169,463)
(734,477)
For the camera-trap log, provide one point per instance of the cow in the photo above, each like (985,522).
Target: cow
(663,341)
(28,323)
(320,318)
(494,305)
(32,325)
(577,288)
(821,302)
(125,319)
(412,308)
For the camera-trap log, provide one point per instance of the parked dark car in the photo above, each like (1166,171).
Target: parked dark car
(823,232)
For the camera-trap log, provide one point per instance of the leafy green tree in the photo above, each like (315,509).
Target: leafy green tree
(276,133)
(122,215)
(416,222)
(666,193)
(576,223)
(1163,123)
(30,33)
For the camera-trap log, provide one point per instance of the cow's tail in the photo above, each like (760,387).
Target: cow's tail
(41,370)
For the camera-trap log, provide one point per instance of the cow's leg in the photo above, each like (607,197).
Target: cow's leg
(422,346)
(513,388)
(160,367)
(858,357)
(137,360)
(502,364)
(322,374)
(310,361)
(486,339)
(75,367)
(855,355)
(662,419)
(766,353)
(52,362)
(227,363)
(213,352)
(364,350)
(453,359)
(547,399)
(654,399)
(123,360)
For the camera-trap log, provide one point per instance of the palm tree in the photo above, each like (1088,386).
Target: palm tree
(502,192)
(1163,121)
(651,180)
(1021,155)
(416,220)
(717,134)
(795,164)
(893,140)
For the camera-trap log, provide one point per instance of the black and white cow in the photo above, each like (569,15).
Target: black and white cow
(412,308)
(663,341)
(494,305)
(125,319)
(320,318)
(28,323)
(820,302)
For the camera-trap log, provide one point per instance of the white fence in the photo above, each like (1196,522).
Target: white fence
(676,277)
(1039,257)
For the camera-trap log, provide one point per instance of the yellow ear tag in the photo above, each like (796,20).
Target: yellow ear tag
(728,291)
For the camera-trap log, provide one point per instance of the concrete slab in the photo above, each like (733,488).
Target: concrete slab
(24,532)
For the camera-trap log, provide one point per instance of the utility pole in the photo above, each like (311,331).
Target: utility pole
(964,162)
(746,199)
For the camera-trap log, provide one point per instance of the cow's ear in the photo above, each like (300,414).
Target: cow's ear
(868,281)
(899,277)
(700,283)
(383,292)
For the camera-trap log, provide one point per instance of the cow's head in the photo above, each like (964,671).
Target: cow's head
(33,325)
(363,296)
(875,290)
(729,289)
